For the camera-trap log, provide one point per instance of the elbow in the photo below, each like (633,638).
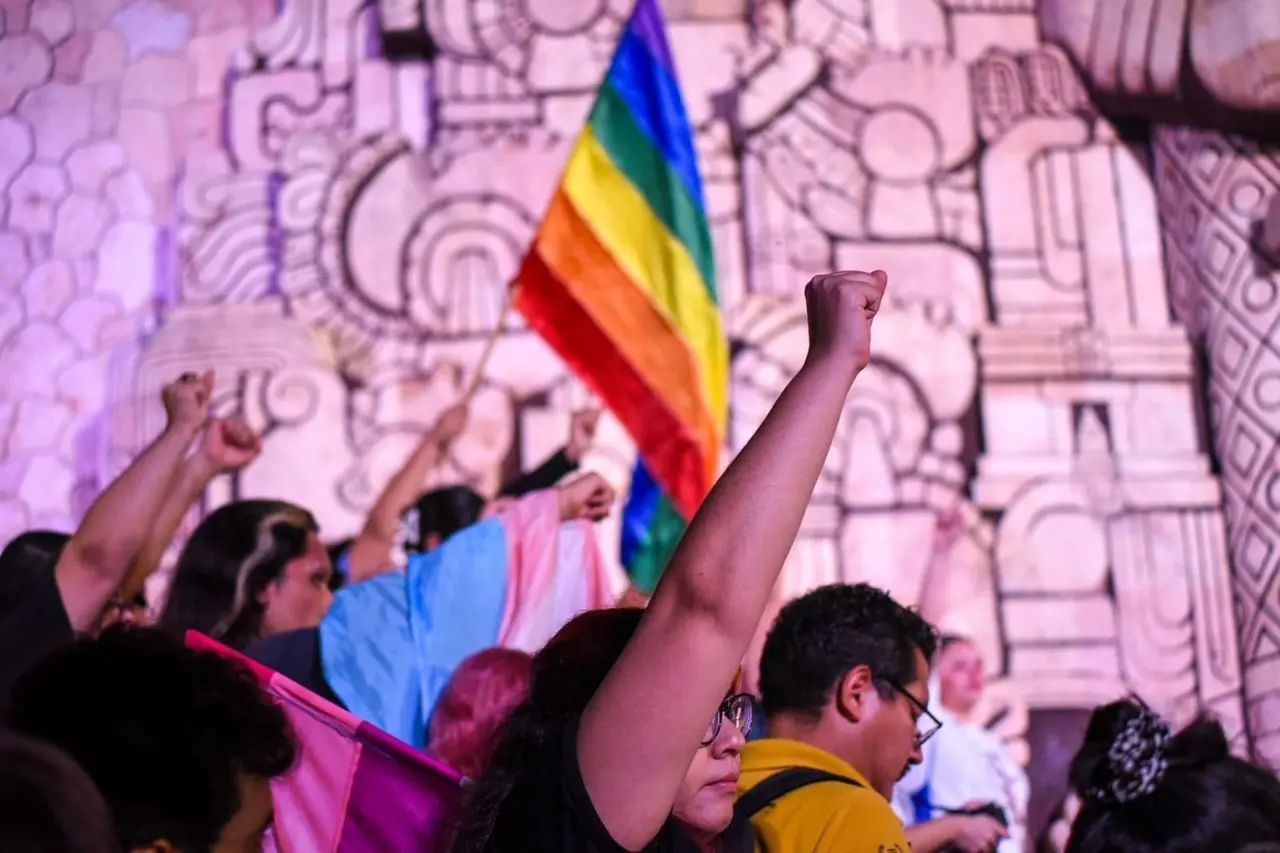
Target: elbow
(96,560)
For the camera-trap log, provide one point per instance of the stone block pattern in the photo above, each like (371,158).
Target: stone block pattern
(324,199)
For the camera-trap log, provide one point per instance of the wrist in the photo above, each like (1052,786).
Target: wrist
(573,453)
(200,469)
(834,366)
(183,428)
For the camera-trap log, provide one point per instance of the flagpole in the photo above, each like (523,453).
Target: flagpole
(478,374)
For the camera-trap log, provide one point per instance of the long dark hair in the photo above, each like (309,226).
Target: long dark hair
(1145,790)
(235,553)
(566,674)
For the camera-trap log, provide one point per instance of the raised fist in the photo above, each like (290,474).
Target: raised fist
(186,399)
(230,444)
(582,431)
(451,423)
(590,497)
(841,306)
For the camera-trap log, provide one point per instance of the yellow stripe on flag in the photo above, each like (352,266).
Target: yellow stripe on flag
(653,259)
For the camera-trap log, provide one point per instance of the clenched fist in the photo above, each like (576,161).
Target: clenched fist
(590,497)
(582,431)
(451,423)
(841,306)
(230,444)
(186,400)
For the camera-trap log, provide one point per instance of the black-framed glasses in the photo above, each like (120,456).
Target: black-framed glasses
(927,724)
(737,710)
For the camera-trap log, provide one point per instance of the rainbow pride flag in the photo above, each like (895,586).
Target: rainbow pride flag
(621,282)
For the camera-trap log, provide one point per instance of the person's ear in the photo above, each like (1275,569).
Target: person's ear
(853,693)
(432,541)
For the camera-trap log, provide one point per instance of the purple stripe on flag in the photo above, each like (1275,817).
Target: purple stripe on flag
(400,799)
(646,23)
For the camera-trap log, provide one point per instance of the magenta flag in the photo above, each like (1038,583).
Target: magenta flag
(356,789)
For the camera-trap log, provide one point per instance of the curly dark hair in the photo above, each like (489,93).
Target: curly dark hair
(49,804)
(164,731)
(823,634)
(236,552)
(1203,799)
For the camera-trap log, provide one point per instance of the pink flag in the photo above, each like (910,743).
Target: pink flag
(356,789)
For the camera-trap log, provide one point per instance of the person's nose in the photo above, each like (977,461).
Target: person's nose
(730,741)
(917,753)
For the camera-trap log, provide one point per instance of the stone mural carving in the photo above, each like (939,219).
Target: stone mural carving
(326,199)
(1210,63)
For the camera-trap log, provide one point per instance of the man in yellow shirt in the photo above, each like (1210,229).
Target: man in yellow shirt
(844,683)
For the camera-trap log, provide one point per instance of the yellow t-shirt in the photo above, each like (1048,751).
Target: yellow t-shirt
(826,817)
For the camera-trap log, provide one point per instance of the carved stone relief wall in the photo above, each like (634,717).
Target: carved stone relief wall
(324,201)
(1211,65)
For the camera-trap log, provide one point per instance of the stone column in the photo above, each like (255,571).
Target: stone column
(1213,194)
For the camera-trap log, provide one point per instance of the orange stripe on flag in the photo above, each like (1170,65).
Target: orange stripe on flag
(576,297)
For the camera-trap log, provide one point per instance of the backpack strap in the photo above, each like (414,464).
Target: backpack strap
(783,783)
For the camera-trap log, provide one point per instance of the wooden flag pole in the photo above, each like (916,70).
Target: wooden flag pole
(478,374)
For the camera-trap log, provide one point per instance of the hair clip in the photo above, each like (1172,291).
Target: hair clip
(1136,759)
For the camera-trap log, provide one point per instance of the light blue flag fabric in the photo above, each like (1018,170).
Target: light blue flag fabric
(390,644)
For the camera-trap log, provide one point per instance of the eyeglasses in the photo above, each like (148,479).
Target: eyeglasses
(736,709)
(927,724)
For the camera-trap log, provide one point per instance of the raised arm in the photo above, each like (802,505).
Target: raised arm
(582,431)
(644,725)
(370,554)
(229,444)
(947,531)
(95,560)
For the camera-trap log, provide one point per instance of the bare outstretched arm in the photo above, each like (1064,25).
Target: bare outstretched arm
(644,725)
(371,552)
(101,550)
(228,444)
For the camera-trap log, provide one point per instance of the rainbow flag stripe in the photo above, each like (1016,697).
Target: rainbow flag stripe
(620,281)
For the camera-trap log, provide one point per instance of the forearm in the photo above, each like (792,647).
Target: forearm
(399,494)
(192,478)
(545,476)
(932,835)
(101,550)
(727,563)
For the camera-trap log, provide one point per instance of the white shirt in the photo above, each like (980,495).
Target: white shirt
(964,763)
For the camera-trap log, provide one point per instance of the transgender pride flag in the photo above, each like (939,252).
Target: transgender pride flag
(389,645)
(356,789)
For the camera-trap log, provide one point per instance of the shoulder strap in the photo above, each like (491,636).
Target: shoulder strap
(781,784)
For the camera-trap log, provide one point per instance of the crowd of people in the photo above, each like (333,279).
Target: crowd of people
(483,633)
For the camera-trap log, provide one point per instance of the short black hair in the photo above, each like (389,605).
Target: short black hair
(820,636)
(164,731)
(1203,799)
(48,803)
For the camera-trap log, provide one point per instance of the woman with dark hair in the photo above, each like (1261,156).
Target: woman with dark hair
(623,743)
(566,674)
(482,692)
(251,569)
(1146,790)
(49,804)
